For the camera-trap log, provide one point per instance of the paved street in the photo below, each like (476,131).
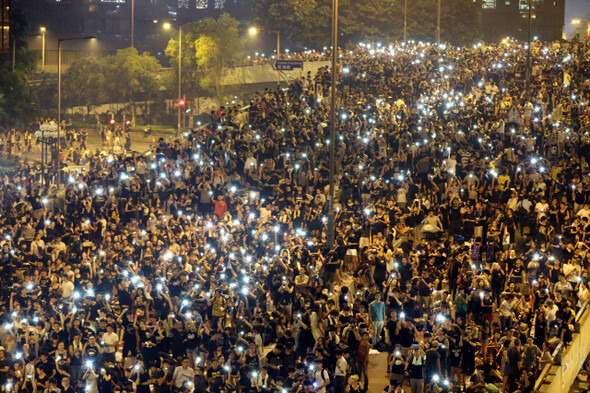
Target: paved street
(139,143)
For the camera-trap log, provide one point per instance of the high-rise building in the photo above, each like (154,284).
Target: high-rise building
(509,18)
(5,24)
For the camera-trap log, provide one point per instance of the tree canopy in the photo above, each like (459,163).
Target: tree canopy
(307,23)
(208,47)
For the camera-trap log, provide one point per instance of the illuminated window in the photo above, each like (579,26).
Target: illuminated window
(219,4)
(488,4)
(183,3)
(202,4)
(523,5)
(507,2)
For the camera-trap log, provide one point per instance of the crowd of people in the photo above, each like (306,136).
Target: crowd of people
(461,250)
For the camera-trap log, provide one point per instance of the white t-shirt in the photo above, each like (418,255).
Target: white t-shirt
(110,340)
(320,378)
(341,367)
(67,289)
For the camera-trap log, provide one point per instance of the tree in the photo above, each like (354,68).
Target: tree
(84,83)
(461,22)
(308,22)
(209,46)
(21,104)
(128,74)
(218,46)
(191,73)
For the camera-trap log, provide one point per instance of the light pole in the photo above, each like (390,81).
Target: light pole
(132,21)
(43,30)
(168,26)
(59,42)
(405,20)
(254,31)
(331,213)
(438,22)
(528,54)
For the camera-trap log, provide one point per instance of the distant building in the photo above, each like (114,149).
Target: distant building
(111,19)
(509,18)
(5,23)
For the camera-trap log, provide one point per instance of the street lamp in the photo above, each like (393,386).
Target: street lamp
(43,30)
(132,20)
(331,213)
(576,21)
(438,22)
(254,31)
(59,41)
(168,26)
(405,20)
(529,56)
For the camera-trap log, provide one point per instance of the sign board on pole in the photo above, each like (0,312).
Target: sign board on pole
(287,65)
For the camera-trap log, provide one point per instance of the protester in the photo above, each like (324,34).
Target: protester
(204,264)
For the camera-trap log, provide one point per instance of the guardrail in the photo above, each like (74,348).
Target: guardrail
(561,357)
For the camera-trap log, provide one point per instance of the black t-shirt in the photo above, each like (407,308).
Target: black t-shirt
(3,364)
(416,368)
(275,359)
(215,377)
(406,336)
(192,340)
(393,337)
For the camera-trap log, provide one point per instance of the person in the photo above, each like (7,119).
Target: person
(173,274)
(185,373)
(514,365)
(340,373)
(415,368)
(362,359)
(377,316)
(321,378)
(530,354)
(398,366)
(354,385)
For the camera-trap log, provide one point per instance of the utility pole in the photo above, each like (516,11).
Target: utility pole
(59,45)
(179,73)
(331,213)
(132,21)
(528,54)
(278,45)
(405,20)
(43,31)
(438,23)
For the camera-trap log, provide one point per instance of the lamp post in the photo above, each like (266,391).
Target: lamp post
(132,21)
(168,26)
(405,20)
(59,42)
(254,31)
(528,54)
(331,213)
(43,30)
(438,22)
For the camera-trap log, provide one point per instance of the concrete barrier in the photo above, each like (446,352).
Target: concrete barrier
(238,76)
(562,376)
(265,73)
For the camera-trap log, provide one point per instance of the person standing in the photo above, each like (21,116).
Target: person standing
(415,368)
(362,359)
(377,315)
(339,373)
(514,366)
